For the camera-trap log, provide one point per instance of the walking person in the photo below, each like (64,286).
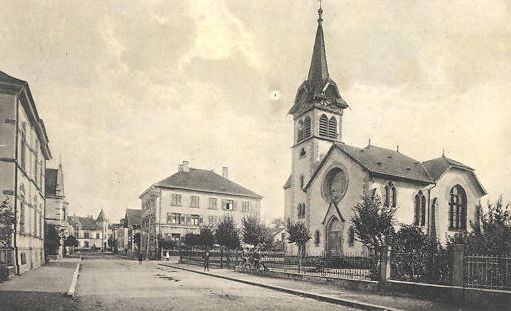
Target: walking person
(206,261)
(140,258)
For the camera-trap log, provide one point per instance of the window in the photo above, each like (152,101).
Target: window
(86,243)
(245,206)
(176,236)
(23,256)
(457,208)
(389,194)
(176,200)
(317,237)
(420,209)
(211,220)
(36,162)
(22,216)
(174,218)
(332,127)
(351,237)
(307,127)
(301,182)
(303,153)
(301,210)
(34,227)
(86,235)
(98,236)
(212,203)
(323,126)
(194,220)
(300,131)
(23,155)
(228,205)
(195,201)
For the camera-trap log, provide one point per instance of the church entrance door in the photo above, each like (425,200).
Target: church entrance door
(334,237)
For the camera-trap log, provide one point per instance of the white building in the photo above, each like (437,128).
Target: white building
(328,176)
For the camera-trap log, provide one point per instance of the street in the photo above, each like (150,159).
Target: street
(109,283)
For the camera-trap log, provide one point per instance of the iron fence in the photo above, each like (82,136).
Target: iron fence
(492,272)
(434,268)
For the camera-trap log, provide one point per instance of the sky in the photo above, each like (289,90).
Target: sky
(130,89)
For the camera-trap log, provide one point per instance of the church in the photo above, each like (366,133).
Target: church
(328,177)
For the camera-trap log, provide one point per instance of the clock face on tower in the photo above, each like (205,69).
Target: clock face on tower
(335,185)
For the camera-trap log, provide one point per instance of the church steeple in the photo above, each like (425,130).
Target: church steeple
(319,69)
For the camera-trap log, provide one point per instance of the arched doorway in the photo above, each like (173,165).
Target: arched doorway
(334,237)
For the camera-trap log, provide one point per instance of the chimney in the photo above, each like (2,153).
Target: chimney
(225,172)
(180,168)
(186,167)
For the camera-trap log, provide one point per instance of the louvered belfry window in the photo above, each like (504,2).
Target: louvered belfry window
(300,130)
(323,126)
(307,127)
(332,127)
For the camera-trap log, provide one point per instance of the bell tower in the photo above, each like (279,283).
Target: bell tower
(317,115)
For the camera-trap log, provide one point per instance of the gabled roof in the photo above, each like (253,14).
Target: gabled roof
(381,162)
(85,223)
(439,166)
(207,181)
(101,216)
(133,217)
(50,184)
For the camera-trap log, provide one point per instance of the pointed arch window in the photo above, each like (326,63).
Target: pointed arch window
(323,125)
(332,127)
(390,197)
(420,209)
(300,131)
(457,208)
(307,127)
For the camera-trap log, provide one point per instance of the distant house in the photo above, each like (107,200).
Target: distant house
(90,232)
(190,199)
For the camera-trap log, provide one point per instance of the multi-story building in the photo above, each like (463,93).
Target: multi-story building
(57,208)
(191,199)
(90,233)
(328,176)
(23,154)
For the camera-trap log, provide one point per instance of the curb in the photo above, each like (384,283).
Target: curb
(74,281)
(329,299)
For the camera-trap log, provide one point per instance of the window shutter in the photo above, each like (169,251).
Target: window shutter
(323,125)
(332,127)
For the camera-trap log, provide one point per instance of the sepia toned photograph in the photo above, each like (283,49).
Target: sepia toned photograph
(255,155)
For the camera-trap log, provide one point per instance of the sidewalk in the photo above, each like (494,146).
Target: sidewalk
(47,284)
(324,292)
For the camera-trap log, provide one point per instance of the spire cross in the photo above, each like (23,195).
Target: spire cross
(320,12)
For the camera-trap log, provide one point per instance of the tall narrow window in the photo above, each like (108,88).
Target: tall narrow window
(332,127)
(307,127)
(302,182)
(317,238)
(300,131)
(23,154)
(351,237)
(323,126)
(420,209)
(457,208)
(390,195)
(22,216)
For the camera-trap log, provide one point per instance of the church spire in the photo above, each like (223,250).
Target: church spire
(319,70)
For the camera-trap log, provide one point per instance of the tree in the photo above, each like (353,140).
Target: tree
(227,234)
(136,240)
(256,233)
(113,244)
(206,238)
(192,239)
(71,241)
(373,222)
(51,239)
(299,234)
(166,243)
(7,221)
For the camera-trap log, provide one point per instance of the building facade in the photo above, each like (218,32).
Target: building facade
(131,229)
(328,177)
(23,154)
(91,233)
(191,199)
(57,208)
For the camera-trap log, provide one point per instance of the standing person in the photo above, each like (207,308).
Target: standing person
(206,260)
(140,258)
(257,259)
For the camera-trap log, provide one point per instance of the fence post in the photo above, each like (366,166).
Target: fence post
(458,253)
(385,264)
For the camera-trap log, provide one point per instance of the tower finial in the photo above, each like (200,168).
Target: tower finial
(320,13)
